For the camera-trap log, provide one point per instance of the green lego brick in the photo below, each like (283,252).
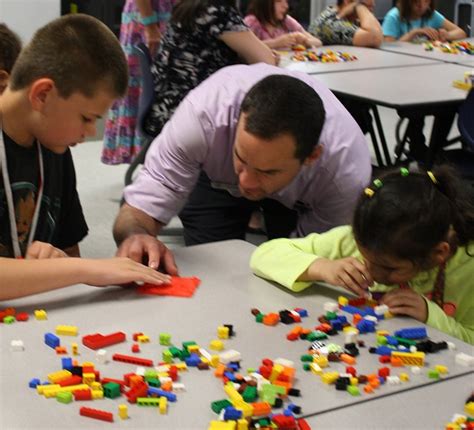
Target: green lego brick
(64,397)
(218,405)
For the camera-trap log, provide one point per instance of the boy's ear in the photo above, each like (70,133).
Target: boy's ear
(311,158)
(441,252)
(39,92)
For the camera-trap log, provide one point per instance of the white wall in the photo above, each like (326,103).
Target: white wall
(26,16)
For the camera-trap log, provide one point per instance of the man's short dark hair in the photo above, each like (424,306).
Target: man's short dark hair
(79,53)
(10,47)
(281,104)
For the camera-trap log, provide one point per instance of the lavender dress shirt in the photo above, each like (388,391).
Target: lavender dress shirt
(200,136)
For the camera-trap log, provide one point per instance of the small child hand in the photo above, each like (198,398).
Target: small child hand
(39,250)
(405,301)
(348,272)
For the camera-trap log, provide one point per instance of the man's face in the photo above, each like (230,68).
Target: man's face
(62,123)
(263,166)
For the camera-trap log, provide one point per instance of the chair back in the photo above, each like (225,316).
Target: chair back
(147,92)
(466,121)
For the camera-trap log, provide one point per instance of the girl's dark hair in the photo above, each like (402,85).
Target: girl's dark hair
(185,12)
(404,6)
(264,11)
(407,216)
(10,47)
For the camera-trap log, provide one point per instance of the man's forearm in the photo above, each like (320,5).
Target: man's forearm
(134,221)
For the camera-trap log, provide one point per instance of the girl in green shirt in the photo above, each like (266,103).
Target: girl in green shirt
(412,237)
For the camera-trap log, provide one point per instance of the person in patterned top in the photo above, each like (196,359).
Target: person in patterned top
(349,23)
(202,37)
(270,21)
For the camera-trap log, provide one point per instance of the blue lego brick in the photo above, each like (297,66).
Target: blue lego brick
(336,325)
(412,333)
(383,350)
(34,383)
(66,363)
(342,319)
(230,376)
(193,360)
(382,380)
(234,367)
(168,394)
(231,413)
(51,340)
(392,340)
(366,326)
(302,313)
(351,309)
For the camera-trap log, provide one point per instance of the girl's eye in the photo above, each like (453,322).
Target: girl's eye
(85,119)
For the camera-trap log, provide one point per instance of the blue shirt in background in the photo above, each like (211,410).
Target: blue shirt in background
(393,26)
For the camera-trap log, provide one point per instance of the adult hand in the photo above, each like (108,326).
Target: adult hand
(117,271)
(348,272)
(148,249)
(152,38)
(39,250)
(405,301)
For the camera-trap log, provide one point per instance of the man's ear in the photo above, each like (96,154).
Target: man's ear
(4,76)
(311,158)
(39,92)
(441,252)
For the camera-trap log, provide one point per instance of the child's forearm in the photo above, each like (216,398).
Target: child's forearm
(313,272)
(456,34)
(19,278)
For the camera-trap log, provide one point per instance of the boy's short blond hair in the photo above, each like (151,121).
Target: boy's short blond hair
(79,53)
(10,47)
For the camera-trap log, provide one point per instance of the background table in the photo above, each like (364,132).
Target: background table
(367,59)
(226,295)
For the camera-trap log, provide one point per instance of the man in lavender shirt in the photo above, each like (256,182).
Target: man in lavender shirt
(247,137)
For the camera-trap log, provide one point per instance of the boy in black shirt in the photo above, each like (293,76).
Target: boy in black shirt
(63,81)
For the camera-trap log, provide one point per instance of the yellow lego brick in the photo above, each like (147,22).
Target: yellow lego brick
(163,406)
(242,424)
(382,333)
(88,364)
(350,329)
(223,332)
(67,330)
(246,408)
(222,425)
(442,370)
(276,370)
(388,315)
(40,388)
(452,426)
(329,377)
(57,376)
(123,412)
(315,368)
(343,301)
(97,394)
(404,377)
(233,394)
(53,391)
(410,358)
(461,420)
(194,349)
(143,338)
(40,314)
(354,380)
(469,408)
(181,366)
(96,385)
(88,378)
(321,361)
(214,360)
(74,349)
(216,345)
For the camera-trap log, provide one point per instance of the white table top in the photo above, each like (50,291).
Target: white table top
(426,408)
(418,50)
(400,87)
(226,295)
(366,59)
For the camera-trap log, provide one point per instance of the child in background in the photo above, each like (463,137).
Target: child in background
(409,229)
(270,21)
(143,21)
(418,20)
(349,22)
(62,82)
(10,47)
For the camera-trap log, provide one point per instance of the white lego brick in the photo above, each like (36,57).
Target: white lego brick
(284,362)
(331,306)
(17,345)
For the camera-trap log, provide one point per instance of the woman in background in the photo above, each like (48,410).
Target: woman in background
(143,21)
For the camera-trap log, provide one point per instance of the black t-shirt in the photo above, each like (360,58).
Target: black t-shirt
(61,220)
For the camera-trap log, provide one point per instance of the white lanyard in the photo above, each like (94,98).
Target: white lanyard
(9,196)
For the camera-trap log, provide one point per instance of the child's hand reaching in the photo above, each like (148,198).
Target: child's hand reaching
(405,301)
(348,272)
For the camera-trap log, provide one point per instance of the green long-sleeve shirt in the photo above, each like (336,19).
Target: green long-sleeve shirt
(284,260)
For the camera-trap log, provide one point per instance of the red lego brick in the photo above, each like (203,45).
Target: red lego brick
(284,423)
(135,336)
(384,372)
(133,360)
(136,348)
(96,414)
(384,359)
(85,394)
(303,425)
(72,380)
(22,316)
(140,390)
(97,340)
